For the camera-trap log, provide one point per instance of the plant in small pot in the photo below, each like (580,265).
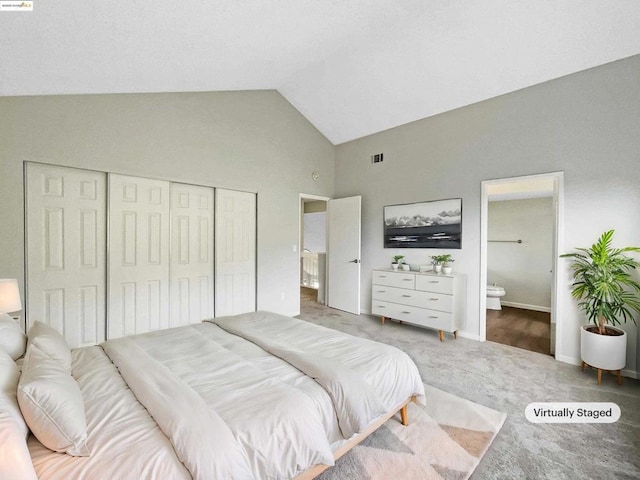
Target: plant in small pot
(609,295)
(447,260)
(397,260)
(440,262)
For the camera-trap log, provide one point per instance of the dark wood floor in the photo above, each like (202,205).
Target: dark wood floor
(520,328)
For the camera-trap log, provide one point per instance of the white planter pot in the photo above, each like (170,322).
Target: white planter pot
(446,270)
(394,266)
(406,267)
(437,268)
(603,351)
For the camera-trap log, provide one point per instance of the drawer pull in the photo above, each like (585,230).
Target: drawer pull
(406,313)
(382,291)
(406,296)
(434,281)
(407,279)
(382,276)
(434,299)
(381,306)
(433,316)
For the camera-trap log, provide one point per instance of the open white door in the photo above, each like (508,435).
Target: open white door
(343,234)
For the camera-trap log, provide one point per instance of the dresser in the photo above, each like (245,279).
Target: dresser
(425,299)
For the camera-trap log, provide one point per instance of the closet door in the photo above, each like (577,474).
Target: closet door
(235,252)
(66,251)
(191,267)
(138,255)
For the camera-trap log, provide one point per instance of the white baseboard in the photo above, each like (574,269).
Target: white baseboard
(576,361)
(526,306)
(471,336)
(569,360)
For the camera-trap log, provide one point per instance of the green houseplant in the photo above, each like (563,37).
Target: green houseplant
(439,261)
(608,294)
(397,260)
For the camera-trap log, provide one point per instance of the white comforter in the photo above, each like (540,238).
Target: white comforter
(124,440)
(232,410)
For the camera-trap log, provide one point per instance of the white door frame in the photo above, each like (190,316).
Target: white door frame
(558,241)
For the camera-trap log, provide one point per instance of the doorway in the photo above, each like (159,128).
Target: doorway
(339,268)
(520,237)
(313,249)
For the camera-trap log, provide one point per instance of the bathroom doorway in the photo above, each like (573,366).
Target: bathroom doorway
(520,232)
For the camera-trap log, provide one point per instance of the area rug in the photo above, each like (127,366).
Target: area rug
(444,440)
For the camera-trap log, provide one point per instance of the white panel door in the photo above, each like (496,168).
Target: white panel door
(191,267)
(138,255)
(66,251)
(235,250)
(344,254)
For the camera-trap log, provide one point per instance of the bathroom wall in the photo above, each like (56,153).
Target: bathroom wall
(523,269)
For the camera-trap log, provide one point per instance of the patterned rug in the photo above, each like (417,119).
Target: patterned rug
(444,440)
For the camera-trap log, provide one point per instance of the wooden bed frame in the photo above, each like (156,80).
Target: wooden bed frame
(316,470)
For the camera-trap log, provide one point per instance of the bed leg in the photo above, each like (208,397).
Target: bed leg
(404,417)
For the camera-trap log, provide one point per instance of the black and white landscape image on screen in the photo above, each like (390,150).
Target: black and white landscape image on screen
(436,224)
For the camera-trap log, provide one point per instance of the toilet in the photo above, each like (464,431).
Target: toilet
(493,297)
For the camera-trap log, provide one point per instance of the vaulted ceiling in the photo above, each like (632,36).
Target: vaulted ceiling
(351,67)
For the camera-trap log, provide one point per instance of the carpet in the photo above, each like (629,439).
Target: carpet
(444,440)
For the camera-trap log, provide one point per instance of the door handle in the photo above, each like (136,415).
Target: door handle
(355,260)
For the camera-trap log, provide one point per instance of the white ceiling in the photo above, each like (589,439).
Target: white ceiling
(351,67)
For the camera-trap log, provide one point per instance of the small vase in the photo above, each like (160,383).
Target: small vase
(446,269)
(406,267)
(394,266)
(437,268)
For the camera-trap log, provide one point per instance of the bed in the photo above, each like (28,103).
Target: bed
(253,396)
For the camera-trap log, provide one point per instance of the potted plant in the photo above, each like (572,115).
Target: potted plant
(397,260)
(441,262)
(608,294)
(447,260)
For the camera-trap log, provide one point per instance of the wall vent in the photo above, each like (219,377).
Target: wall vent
(377,158)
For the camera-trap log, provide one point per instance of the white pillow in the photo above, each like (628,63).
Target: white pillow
(47,339)
(15,461)
(51,403)
(9,376)
(12,338)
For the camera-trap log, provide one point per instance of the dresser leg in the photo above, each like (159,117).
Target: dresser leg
(455,334)
(383,319)
(441,335)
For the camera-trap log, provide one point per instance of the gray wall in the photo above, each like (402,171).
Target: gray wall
(315,232)
(584,124)
(522,269)
(254,141)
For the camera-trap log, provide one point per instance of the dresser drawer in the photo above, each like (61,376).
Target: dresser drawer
(394,279)
(435,301)
(415,315)
(399,312)
(434,283)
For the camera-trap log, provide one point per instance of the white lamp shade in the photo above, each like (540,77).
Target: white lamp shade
(9,295)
